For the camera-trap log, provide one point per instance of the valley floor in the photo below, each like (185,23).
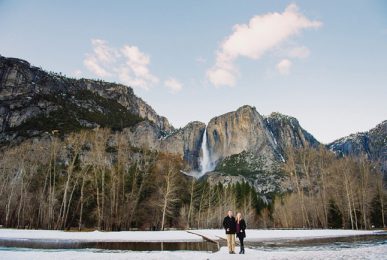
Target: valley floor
(179,235)
(257,245)
(373,252)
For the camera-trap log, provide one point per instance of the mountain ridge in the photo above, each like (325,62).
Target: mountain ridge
(35,102)
(371,143)
(28,91)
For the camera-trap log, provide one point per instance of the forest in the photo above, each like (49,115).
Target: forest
(96,180)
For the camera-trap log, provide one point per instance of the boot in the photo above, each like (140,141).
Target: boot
(242,250)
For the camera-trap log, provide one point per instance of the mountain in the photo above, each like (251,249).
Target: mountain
(81,152)
(184,141)
(247,146)
(247,130)
(288,132)
(35,101)
(372,144)
(241,145)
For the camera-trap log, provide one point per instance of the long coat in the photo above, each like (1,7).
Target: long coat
(230,224)
(242,232)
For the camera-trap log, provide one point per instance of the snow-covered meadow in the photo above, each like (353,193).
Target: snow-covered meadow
(122,236)
(373,252)
(178,235)
(361,251)
(276,234)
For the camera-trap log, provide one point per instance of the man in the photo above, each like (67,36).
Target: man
(229,225)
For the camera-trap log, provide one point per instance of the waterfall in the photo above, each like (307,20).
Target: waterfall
(205,161)
(206,164)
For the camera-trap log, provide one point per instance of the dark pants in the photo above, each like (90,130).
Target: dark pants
(241,238)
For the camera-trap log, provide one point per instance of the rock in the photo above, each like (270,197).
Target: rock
(33,99)
(246,130)
(242,130)
(372,144)
(185,141)
(218,177)
(250,147)
(287,132)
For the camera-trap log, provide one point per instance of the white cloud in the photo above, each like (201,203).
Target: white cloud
(103,52)
(128,64)
(252,40)
(136,69)
(299,52)
(93,65)
(284,66)
(173,85)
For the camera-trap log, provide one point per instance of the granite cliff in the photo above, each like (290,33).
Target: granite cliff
(30,96)
(247,146)
(35,103)
(372,144)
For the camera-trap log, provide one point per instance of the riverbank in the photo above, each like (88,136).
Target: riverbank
(265,244)
(178,235)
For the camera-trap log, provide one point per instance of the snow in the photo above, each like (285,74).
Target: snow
(122,236)
(282,158)
(274,139)
(275,234)
(355,251)
(372,252)
(177,236)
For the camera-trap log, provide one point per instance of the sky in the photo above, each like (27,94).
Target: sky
(323,62)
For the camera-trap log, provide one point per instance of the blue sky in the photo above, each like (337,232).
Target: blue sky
(323,62)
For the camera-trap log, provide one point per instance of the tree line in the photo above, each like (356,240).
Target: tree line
(96,180)
(329,192)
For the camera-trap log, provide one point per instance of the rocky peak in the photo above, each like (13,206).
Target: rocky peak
(288,132)
(184,141)
(246,130)
(372,144)
(238,131)
(34,101)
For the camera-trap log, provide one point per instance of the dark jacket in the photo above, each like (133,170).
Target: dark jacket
(230,224)
(242,232)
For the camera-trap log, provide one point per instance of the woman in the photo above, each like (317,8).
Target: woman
(241,231)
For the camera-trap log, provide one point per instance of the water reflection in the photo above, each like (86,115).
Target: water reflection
(132,246)
(321,243)
(290,245)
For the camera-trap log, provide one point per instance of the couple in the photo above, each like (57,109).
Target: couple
(234,226)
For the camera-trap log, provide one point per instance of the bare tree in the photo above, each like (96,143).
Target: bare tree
(168,167)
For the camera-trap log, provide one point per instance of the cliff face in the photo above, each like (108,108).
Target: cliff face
(35,103)
(288,132)
(246,130)
(28,93)
(242,130)
(185,141)
(248,146)
(372,144)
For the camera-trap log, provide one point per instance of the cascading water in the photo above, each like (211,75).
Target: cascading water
(206,164)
